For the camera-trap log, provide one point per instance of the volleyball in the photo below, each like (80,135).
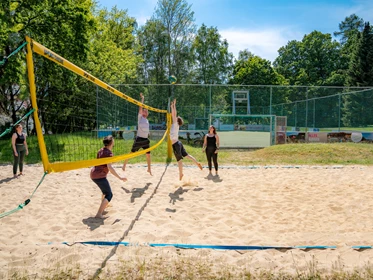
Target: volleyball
(172,79)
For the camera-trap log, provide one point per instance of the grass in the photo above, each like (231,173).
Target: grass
(287,154)
(189,268)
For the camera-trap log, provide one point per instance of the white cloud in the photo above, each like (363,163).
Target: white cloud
(263,43)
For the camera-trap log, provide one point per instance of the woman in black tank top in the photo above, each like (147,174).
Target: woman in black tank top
(20,149)
(211,147)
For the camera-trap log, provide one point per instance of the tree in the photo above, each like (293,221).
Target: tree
(255,71)
(250,69)
(358,107)
(177,19)
(349,28)
(62,26)
(289,61)
(311,61)
(114,52)
(154,52)
(213,61)
(361,65)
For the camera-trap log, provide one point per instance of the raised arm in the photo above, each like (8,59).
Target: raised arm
(142,101)
(173,111)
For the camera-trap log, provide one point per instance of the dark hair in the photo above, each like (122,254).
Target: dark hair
(214,131)
(17,125)
(108,140)
(180,121)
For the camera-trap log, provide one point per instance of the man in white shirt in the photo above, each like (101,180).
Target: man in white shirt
(142,136)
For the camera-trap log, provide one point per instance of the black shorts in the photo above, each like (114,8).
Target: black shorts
(179,150)
(140,143)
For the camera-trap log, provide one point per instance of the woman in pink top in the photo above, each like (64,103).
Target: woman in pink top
(99,174)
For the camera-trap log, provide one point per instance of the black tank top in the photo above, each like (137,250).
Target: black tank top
(20,138)
(211,141)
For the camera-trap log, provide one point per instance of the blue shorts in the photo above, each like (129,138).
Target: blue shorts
(104,186)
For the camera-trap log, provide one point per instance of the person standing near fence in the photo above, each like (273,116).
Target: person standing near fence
(177,146)
(20,149)
(211,147)
(142,136)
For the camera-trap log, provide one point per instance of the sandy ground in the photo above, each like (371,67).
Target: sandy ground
(262,206)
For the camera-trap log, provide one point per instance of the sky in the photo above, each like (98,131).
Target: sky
(260,26)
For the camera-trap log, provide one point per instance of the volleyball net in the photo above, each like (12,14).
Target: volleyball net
(71,123)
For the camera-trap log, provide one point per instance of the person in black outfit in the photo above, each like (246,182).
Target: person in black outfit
(211,147)
(20,149)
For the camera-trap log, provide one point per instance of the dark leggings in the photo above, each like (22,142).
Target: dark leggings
(210,154)
(104,186)
(21,150)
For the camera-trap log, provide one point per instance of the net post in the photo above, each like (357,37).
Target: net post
(39,132)
(169,143)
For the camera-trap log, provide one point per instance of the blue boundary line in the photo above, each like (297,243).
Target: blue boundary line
(203,246)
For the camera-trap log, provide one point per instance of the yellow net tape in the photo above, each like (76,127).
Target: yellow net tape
(35,47)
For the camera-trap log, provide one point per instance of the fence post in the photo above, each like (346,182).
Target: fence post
(306,109)
(270,101)
(339,112)
(210,101)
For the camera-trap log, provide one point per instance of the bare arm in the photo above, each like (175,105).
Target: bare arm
(173,111)
(14,136)
(25,143)
(204,143)
(217,143)
(112,171)
(142,101)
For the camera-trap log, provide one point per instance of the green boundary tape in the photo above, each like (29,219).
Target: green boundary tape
(27,201)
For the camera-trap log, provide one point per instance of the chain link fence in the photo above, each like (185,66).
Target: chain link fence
(326,108)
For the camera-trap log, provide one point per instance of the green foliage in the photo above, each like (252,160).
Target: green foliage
(255,71)
(358,108)
(62,26)
(152,37)
(309,62)
(177,19)
(213,61)
(112,57)
(348,29)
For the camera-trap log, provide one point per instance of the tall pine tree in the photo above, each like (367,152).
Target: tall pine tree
(358,109)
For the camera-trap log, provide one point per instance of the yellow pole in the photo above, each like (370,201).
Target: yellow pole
(39,132)
(169,143)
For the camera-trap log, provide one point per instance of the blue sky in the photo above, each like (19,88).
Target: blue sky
(261,26)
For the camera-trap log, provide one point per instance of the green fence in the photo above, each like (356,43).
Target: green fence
(326,108)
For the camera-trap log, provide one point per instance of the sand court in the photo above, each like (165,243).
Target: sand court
(252,206)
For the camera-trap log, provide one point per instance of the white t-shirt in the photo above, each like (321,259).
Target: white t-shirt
(174,132)
(143,127)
